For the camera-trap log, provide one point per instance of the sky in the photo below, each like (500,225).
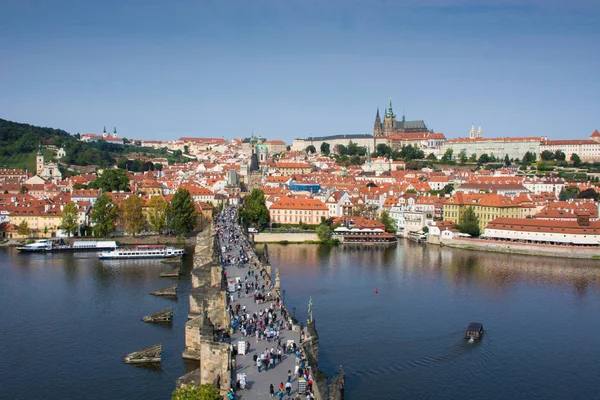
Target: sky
(160,70)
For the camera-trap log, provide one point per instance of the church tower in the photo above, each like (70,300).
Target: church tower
(389,121)
(472,134)
(479,133)
(39,161)
(377,129)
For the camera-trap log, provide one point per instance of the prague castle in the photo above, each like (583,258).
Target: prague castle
(390,126)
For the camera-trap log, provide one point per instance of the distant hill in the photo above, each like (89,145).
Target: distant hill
(19,143)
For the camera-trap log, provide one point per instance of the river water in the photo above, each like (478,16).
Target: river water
(67,321)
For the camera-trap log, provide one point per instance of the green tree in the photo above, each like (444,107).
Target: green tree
(547,155)
(183,214)
(447,155)
(559,156)
(462,156)
(112,180)
(325,148)
(588,194)
(341,149)
(70,218)
(506,160)
(323,232)
(186,149)
(193,392)
(104,215)
(473,157)
(255,210)
(568,193)
(24,189)
(383,149)
(484,159)
(389,222)
(529,157)
(132,216)
(431,157)
(469,222)
(157,215)
(448,189)
(23,228)
(310,149)
(576,160)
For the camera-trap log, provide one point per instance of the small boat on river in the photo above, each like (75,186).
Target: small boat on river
(142,252)
(474,331)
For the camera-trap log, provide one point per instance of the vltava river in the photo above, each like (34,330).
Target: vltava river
(541,315)
(68,320)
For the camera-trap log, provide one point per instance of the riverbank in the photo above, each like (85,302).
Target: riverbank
(592,253)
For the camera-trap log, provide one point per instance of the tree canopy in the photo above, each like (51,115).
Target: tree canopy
(325,148)
(70,218)
(23,228)
(576,160)
(183,215)
(193,392)
(447,155)
(104,215)
(389,222)
(310,149)
(112,180)
(254,210)
(157,215)
(132,216)
(469,223)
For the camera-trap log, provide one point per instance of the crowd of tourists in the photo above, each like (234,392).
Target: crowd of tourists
(266,322)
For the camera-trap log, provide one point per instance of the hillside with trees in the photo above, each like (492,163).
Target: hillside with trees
(19,144)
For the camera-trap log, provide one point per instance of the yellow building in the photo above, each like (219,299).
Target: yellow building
(487,207)
(42,222)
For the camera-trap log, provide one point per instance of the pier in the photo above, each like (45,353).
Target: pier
(237,316)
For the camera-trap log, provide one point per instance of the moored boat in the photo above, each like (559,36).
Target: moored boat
(58,245)
(142,252)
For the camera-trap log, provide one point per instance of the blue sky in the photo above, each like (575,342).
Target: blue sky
(295,68)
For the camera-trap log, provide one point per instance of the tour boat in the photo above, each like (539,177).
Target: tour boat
(58,245)
(37,246)
(474,331)
(140,252)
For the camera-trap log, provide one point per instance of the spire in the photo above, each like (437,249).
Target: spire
(479,133)
(403,115)
(390,112)
(377,115)
(104,131)
(39,153)
(115,130)
(472,132)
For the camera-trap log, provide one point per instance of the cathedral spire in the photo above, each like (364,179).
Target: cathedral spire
(390,111)
(403,115)
(377,115)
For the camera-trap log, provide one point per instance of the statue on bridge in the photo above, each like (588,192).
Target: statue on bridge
(310,315)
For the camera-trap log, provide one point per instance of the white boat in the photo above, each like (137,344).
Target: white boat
(39,245)
(142,252)
(59,245)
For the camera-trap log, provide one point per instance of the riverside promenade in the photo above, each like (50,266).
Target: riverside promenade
(244,268)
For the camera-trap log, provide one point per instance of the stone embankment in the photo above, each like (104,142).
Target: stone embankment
(209,318)
(285,237)
(523,248)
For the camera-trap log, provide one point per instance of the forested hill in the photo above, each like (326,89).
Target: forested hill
(19,144)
